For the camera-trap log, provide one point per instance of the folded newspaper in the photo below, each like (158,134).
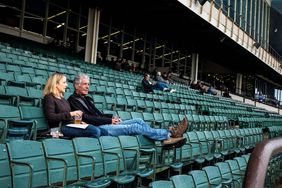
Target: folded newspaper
(79,126)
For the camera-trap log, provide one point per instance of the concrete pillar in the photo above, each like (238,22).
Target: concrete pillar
(194,68)
(239,83)
(92,35)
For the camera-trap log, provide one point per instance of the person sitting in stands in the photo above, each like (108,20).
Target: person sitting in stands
(149,86)
(193,85)
(211,91)
(226,93)
(159,78)
(57,110)
(115,126)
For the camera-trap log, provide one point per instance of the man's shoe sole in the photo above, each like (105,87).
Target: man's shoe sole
(178,144)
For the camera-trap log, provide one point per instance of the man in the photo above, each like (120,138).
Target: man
(147,85)
(114,126)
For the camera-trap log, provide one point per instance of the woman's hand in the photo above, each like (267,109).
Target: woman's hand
(76,113)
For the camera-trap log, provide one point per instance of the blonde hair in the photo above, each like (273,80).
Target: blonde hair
(50,86)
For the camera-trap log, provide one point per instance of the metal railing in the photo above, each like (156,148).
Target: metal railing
(259,161)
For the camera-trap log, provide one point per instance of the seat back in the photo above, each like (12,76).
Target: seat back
(162,184)
(5,172)
(63,150)
(7,113)
(112,154)
(241,162)
(183,181)
(224,169)
(213,174)
(34,113)
(196,146)
(130,147)
(90,147)
(31,152)
(200,178)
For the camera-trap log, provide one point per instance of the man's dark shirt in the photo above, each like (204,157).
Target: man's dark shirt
(148,88)
(91,114)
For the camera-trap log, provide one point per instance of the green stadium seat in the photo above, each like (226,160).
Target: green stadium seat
(5,78)
(124,115)
(35,114)
(242,163)
(158,120)
(201,179)
(131,104)
(214,176)
(235,170)
(13,68)
(114,161)
(12,128)
(5,172)
(183,181)
(90,161)
(21,96)
(196,147)
(132,154)
(28,164)
(136,115)
(162,184)
(226,174)
(206,147)
(110,103)
(121,104)
(100,101)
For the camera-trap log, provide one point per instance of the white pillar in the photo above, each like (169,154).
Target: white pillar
(239,83)
(92,35)
(194,68)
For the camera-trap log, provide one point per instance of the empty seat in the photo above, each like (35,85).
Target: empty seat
(5,172)
(28,164)
(113,160)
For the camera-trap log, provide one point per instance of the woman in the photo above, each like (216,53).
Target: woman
(57,109)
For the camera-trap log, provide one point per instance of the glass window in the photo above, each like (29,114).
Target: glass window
(115,42)
(139,45)
(232,10)
(159,54)
(10,13)
(225,7)
(127,45)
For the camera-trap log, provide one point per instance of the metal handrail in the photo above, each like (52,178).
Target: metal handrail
(259,160)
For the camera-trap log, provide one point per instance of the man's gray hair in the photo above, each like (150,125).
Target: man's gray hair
(77,80)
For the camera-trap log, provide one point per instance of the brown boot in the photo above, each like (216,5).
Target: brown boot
(174,143)
(178,131)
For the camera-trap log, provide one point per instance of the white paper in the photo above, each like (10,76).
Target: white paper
(79,126)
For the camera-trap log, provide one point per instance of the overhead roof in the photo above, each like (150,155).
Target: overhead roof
(277,4)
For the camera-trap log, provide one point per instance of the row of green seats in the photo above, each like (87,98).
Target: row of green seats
(210,146)
(229,173)
(24,122)
(86,162)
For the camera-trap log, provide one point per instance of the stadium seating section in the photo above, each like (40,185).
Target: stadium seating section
(221,132)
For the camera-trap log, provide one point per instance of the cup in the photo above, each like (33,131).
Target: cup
(77,119)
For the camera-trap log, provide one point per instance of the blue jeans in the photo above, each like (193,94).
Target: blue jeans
(90,131)
(160,86)
(136,127)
